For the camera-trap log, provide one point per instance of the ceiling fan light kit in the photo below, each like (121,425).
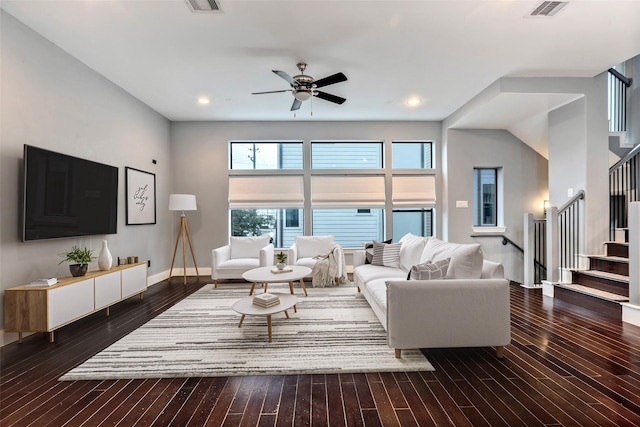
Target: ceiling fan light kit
(303,86)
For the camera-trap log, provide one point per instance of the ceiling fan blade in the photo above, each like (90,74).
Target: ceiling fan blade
(287,77)
(336,78)
(296,105)
(328,97)
(271,91)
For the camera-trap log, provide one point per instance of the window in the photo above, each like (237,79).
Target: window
(348,227)
(414,221)
(346,155)
(411,155)
(347,187)
(265,155)
(279,224)
(485,197)
(292,218)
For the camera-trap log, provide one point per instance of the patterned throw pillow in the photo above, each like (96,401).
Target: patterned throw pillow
(429,270)
(368,251)
(386,254)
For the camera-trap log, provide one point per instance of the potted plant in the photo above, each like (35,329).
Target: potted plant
(80,259)
(282,259)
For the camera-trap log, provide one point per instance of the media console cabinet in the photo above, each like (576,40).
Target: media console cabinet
(47,308)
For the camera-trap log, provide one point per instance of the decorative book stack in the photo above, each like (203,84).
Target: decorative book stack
(43,282)
(276,270)
(266,300)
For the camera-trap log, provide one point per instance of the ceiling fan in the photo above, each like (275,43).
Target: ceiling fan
(304,86)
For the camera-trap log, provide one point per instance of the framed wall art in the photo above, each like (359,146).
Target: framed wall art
(141,196)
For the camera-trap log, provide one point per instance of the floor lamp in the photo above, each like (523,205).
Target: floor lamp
(183,202)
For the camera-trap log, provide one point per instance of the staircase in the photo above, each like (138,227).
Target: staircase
(603,286)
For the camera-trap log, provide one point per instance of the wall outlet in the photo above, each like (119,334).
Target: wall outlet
(570,192)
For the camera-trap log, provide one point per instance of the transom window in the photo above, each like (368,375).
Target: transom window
(265,155)
(346,155)
(411,155)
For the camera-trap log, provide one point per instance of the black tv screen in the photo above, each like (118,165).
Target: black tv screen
(65,196)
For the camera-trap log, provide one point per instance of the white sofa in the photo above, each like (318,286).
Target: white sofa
(469,308)
(240,255)
(305,248)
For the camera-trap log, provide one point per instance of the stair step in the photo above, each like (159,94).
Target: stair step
(594,300)
(610,264)
(597,293)
(617,249)
(604,275)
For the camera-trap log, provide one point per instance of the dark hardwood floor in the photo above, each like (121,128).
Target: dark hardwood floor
(565,366)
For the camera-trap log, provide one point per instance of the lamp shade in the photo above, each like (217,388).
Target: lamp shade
(182,202)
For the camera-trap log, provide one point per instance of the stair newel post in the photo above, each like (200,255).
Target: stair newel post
(634,253)
(553,246)
(529,253)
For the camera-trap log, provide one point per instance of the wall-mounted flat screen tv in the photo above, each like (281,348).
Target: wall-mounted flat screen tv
(65,196)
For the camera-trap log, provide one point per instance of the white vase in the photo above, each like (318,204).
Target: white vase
(105,260)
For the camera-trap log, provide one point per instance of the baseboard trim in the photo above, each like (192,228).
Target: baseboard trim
(630,313)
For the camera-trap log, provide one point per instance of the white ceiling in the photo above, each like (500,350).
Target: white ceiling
(443,51)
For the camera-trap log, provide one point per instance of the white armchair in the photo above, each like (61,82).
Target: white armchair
(305,248)
(240,255)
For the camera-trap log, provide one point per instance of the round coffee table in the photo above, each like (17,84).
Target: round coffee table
(246,307)
(265,276)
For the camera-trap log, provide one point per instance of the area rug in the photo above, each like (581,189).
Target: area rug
(334,331)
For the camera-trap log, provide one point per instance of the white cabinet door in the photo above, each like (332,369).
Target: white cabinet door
(70,302)
(134,280)
(107,289)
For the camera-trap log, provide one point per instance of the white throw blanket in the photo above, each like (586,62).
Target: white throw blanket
(325,271)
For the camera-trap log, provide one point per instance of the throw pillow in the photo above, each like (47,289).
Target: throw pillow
(368,251)
(429,270)
(466,259)
(386,254)
(412,248)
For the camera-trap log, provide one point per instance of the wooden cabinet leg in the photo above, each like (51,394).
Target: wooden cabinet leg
(20,337)
(51,336)
(398,353)
(108,311)
(141,296)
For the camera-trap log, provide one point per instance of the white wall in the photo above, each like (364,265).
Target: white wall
(200,160)
(579,157)
(524,189)
(51,100)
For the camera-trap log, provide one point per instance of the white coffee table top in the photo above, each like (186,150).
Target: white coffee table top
(247,307)
(264,274)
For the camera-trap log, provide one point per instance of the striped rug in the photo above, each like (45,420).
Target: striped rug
(334,331)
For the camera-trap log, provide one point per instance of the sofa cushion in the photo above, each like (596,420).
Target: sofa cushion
(386,254)
(378,290)
(368,272)
(310,246)
(411,250)
(466,259)
(368,250)
(429,270)
(247,246)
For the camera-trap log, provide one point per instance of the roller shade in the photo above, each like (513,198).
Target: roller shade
(416,191)
(352,191)
(266,191)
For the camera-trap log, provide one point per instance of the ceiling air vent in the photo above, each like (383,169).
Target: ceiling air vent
(198,6)
(549,8)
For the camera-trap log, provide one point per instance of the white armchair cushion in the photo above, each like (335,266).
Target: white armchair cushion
(247,246)
(310,246)
(466,259)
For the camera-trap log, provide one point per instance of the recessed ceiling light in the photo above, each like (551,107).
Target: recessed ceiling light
(203,100)
(413,101)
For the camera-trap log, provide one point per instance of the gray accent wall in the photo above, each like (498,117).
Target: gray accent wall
(51,100)
(200,159)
